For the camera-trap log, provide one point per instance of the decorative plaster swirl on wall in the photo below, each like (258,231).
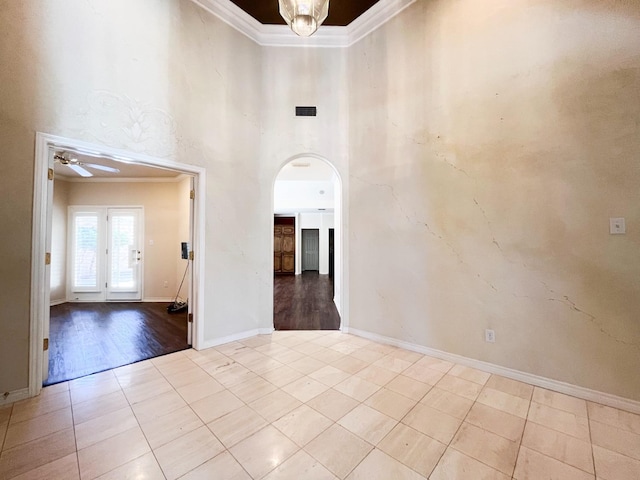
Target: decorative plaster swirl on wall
(129,124)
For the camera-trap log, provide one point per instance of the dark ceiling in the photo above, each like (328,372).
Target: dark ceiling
(341,12)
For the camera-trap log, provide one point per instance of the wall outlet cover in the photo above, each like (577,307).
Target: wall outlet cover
(489,336)
(617,226)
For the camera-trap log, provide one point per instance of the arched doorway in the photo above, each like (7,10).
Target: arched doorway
(308,245)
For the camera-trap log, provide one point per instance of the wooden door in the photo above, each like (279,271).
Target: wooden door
(284,245)
(288,249)
(277,248)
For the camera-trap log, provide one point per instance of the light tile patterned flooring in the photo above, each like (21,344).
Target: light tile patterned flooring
(311,405)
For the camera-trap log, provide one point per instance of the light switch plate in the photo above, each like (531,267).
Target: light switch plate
(617,226)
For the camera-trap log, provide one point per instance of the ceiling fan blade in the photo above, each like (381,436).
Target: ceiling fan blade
(80,171)
(101,167)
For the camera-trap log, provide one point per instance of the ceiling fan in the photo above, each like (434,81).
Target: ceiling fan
(64,158)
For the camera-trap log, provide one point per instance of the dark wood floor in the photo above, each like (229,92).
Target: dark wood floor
(87,338)
(304,302)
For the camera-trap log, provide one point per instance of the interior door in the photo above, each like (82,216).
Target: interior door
(277,248)
(310,249)
(47,275)
(288,249)
(124,254)
(191,279)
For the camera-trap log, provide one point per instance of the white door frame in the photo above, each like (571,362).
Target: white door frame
(42,209)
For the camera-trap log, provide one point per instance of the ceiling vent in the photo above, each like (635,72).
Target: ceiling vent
(305,111)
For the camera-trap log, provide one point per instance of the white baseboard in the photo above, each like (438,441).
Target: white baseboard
(158,299)
(14,396)
(235,337)
(548,383)
(53,303)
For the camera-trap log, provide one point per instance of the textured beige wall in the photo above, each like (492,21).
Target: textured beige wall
(162,211)
(162,78)
(490,142)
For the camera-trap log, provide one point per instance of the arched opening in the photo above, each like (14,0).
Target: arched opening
(307,245)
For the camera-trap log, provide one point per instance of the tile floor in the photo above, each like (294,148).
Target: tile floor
(311,405)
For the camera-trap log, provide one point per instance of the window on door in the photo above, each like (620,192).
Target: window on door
(105,260)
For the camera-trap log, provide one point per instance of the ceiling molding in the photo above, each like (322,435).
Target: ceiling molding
(326,36)
(375,17)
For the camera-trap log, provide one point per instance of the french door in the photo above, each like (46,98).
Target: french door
(105,253)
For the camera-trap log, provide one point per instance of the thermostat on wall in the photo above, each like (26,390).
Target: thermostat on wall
(185,250)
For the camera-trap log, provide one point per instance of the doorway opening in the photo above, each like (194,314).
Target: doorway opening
(109,257)
(307,196)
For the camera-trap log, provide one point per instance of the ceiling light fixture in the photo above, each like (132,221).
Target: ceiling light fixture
(304,16)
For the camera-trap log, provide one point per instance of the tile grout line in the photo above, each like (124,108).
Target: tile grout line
(526,421)
(593,455)
(448,446)
(73,423)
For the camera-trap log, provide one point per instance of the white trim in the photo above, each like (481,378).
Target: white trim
(53,303)
(603,398)
(176,179)
(38,302)
(215,342)
(375,17)
(282,36)
(14,396)
(144,300)
(228,339)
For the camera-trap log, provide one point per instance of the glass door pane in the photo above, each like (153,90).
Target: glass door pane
(124,254)
(85,253)
(85,274)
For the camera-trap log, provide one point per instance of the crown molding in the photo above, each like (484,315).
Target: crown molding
(375,17)
(325,37)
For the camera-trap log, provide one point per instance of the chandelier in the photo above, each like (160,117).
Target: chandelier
(304,16)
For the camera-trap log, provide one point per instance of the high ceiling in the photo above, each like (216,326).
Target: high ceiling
(341,12)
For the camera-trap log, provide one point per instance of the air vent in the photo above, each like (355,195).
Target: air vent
(305,111)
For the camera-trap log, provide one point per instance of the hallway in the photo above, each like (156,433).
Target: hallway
(304,302)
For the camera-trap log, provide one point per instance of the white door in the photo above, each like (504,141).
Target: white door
(124,254)
(46,312)
(191,294)
(105,261)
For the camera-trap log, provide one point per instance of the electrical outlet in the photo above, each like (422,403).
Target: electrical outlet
(489,336)
(166,284)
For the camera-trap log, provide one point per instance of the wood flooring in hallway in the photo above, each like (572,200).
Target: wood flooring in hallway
(87,338)
(304,302)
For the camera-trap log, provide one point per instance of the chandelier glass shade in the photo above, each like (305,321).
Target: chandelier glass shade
(304,16)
